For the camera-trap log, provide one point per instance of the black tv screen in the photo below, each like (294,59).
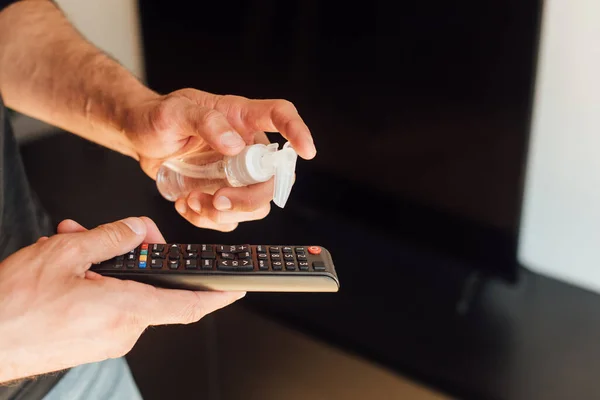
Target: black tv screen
(419,110)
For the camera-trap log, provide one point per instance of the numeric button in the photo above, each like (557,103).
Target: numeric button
(303,265)
(277,265)
(275,256)
(290,265)
(286,249)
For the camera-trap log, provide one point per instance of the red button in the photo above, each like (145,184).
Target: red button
(314,250)
(145,246)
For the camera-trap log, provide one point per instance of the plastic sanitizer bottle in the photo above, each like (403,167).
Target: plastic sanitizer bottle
(210,171)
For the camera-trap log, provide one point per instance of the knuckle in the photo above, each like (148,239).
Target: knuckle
(193,311)
(284,107)
(111,236)
(210,119)
(161,116)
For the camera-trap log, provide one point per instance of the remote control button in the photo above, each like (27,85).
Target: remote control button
(262,256)
(173,264)
(231,249)
(242,248)
(275,256)
(245,265)
(130,264)
(191,248)
(261,249)
(301,257)
(290,265)
(319,266)
(209,255)
(303,265)
(225,265)
(142,265)
(173,256)
(288,256)
(244,255)
(143,258)
(207,264)
(227,256)
(144,246)
(263,265)
(118,264)
(131,257)
(191,264)
(286,249)
(132,251)
(156,263)
(274,249)
(277,265)
(144,252)
(206,247)
(157,254)
(190,256)
(221,249)
(158,247)
(300,250)
(314,250)
(120,258)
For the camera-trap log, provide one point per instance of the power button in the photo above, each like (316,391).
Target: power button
(314,250)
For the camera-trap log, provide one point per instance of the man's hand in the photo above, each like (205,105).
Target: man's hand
(55,314)
(189,121)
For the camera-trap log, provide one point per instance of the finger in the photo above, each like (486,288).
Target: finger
(214,128)
(261,137)
(230,217)
(270,116)
(201,220)
(153,234)
(42,239)
(168,306)
(70,226)
(109,240)
(246,198)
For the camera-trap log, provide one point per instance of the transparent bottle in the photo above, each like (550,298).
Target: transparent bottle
(210,171)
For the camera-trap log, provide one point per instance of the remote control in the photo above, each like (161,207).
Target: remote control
(251,268)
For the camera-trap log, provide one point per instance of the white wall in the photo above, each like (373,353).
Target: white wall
(112,25)
(560,233)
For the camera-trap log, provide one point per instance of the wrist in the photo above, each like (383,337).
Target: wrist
(109,101)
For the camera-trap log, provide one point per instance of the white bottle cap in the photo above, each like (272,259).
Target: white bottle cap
(258,163)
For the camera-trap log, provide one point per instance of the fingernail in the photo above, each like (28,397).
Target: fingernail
(232,139)
(194,204)
(136,225)
(222,203)
(241,295)
(180,207)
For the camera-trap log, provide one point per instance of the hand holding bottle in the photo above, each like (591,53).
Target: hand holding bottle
(190,121)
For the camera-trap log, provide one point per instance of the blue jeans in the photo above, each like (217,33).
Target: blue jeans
(106,380)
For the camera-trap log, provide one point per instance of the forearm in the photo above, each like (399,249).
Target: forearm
(50,72)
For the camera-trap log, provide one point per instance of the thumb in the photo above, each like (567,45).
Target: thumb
(110,240)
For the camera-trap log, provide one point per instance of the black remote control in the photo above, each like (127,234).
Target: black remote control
(251,268)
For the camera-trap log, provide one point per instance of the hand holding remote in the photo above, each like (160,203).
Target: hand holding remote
(56,314)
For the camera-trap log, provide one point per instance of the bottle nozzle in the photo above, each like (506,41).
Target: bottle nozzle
(284,164)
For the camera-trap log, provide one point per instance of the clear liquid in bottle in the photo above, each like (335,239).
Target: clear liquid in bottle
(176,178)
